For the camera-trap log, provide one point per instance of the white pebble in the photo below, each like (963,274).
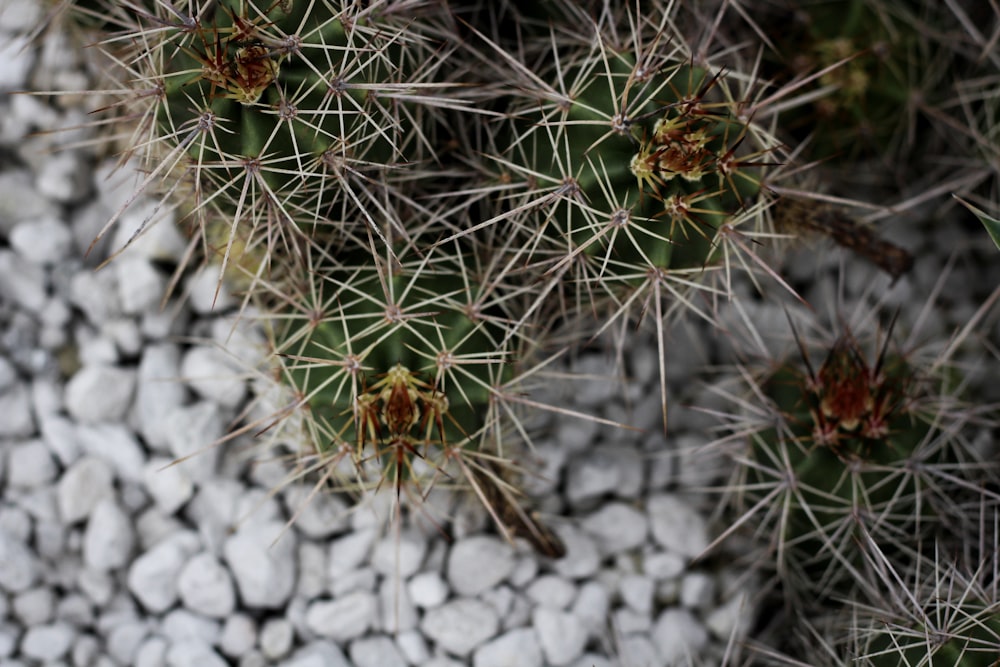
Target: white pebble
(679,637)
(159,391)
(140,285)
(637,592)
(676,525)
(733,618)
(413,646)
(34,606)
(562,635)
(193,432)
(47,642)
(552,591)
(589,477)
(182,625)
(213,375)
(343,619)
(100,393)
(617,527)
(193,652)
(276,636)
(17,57)
(378,651)
(461,625)
(43,241)
(30,464)
(153,576)
(22,281)
(261,557)
(116,445)
(169,485)
(206,587)
(239,635)
(152,652)
(697,590)
(478,563)
(205,292)
(582,558)
(517,648)
(318,514)
(15,406)
(63,177)
(399,555)
(125,637)
(591,607)
(638,650)
(347,553)
(662,565)
(398,614)
(85,484)
(428,590)
(96,294)
(318,654)
(109,538)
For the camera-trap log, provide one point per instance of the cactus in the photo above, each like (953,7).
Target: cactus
(851,436)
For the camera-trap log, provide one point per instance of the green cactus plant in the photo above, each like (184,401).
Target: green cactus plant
(851,436)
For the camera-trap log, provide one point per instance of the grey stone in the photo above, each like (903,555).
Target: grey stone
(153,576)
(399,555)
(193,435)
(239,635)
(63,177)
(697,590)
(617,527)
(428,589)
(214,375)
(732,619)
(159,391)
(343,619)
(478,563)
(109,538)
(378,651)
(152,652)
(47,642)
(318,513)
(206,587)
(397,612)
(261,557)
(589,477)
(413,647)
(561,634)
(124,639)
(15,405)
(676,525)
(461,625)
(30,464)
(679,637)
(276,636)
(551,591)
(638,651)
(582,558)
(17,57)
(96,294)
(637,592)
(180,625)
(193,652)
(591,607)
(320,653)
(169,485)
(206,292)
(517,648)
(85,484)
(100,393)
(22,281)
(116,445)
(42,241)
(34,606)
(140,285)
(147,227)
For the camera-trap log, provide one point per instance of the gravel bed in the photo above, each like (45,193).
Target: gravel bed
(111,556)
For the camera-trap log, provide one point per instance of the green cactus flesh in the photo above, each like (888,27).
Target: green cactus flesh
(649,151)
(853,441)
(398,361)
